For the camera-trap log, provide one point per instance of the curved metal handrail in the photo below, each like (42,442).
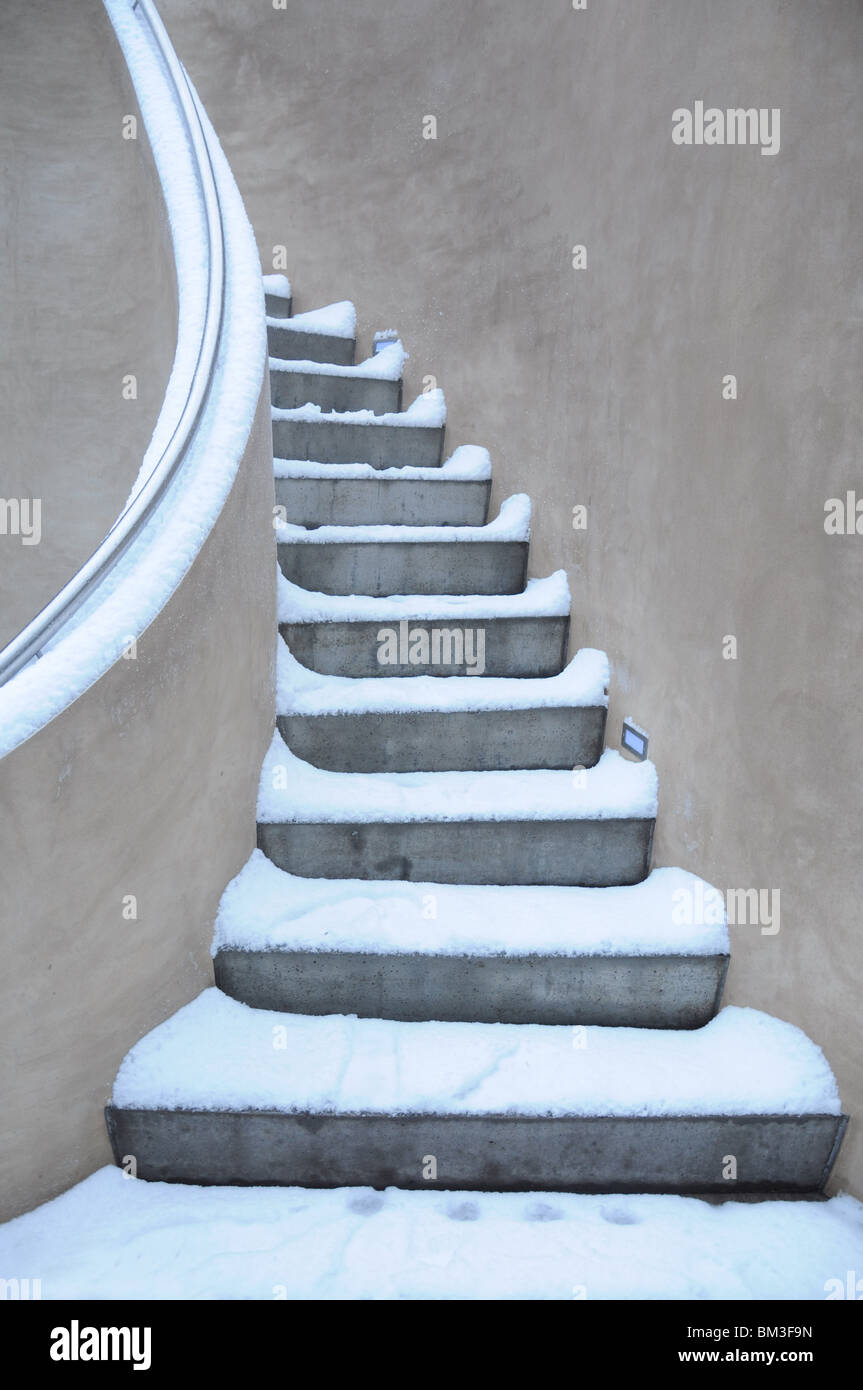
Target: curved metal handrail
(128,526)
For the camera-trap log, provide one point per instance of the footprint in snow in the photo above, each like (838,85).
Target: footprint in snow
(465,1211)
(619,1216)
(365,1203)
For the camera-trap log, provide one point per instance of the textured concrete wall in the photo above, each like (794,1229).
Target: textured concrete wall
(88,291)
(602,386)
(121,823)
(122,819)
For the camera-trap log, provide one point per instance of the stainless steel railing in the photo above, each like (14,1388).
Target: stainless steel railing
(50,622)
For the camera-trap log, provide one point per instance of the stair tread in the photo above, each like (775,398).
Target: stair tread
(541,598)
(264,908)
(217,1054)
(512,524)
(582,684)
(428,411)
(337,320)
(467,463)
(386,365)
(293,791)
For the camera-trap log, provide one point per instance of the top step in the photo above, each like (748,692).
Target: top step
(323,335)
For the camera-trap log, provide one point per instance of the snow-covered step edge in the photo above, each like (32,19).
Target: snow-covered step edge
(511,524)
(218,1054)
(292,791)
(386,365)
(671,912)
(582,684)
(337,320)
(467,463)
(427,412)
(541,598)
(278,296)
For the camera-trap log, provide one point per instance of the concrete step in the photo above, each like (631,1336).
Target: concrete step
(613,956)
(412,438)
(423,724)
(355,494)
(278,297)
(593,828)
(518,635)
(323,335)
(385,560)
(374,385)
(221,1093)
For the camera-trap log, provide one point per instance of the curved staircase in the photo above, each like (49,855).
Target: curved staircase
(448,963)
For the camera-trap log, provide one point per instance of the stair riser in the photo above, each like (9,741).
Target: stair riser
(382,502)
(297,345)
(292,389)
(633,991)
(381,568)
(279,306)
(382,446)
(586,853)
(513,647)
(448,741)
(484,1153)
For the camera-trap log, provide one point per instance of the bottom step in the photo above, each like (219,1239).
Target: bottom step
(289,1243)
(221,1093)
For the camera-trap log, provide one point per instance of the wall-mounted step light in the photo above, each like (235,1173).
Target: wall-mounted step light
(384,338)
(634,739)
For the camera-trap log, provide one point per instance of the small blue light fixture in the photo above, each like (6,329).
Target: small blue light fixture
(634,739)
(384,338)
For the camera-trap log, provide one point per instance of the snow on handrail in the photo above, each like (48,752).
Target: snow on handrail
(31,641)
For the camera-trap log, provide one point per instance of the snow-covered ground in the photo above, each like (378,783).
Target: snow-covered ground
(117,1238)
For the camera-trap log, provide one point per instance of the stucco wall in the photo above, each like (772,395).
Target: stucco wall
(122,820)
(603,386)
(121,823)
(88,291)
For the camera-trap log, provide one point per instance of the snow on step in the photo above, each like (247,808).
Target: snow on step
(332,321)
(218,1054)
(278,285)
(541,598)
(511,524)
(428,411)
(179,1242)
(467,463)
(582,684)
(387,365)
(264,908)
(292,790)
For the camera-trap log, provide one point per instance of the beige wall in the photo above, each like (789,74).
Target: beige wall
(144,787)
(87,286)
(122,820)
(603,387)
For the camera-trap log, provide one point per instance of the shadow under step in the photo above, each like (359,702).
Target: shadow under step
(617,957)
(225,1094)
(520,635)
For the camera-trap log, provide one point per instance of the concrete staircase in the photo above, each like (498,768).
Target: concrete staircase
(448,963)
